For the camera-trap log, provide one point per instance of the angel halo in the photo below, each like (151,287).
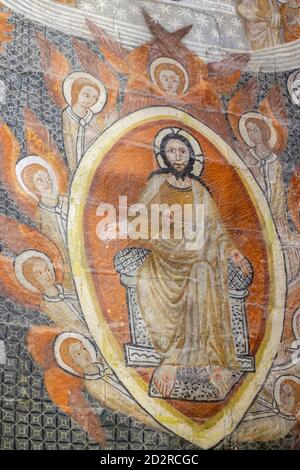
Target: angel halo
(26,171)
(24,270)
(263,123)
(176,133)
(282,398)
(69,357)
(180,78)
(76,81)
(296,324)
(293,85)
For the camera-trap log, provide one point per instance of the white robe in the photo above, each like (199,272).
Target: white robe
(79,133)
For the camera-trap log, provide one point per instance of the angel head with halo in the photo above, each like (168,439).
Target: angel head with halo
(258,132)
(35,271)
(84,93)
(78,356)
(294,87)
(287,395)
(36,177)
(170,76)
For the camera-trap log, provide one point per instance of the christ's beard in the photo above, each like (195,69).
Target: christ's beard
(180,174)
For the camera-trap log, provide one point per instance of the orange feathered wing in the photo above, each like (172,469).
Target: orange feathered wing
(225,85)
(294,197)
(18,237)
(40,341)
(64,389)
(114,53)
(242,102)
(5,29)
(40,142)
(11,289)
(56,68)
(225,74)
(274,107)
(9,156)
(96,67)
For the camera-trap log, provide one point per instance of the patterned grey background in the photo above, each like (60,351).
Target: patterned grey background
(28,419)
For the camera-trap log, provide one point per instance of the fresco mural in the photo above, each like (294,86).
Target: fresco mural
(150,231)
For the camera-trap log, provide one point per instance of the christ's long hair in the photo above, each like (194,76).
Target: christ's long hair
(169,168)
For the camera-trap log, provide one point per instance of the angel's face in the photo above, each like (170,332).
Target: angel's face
(170,81)
(254,133)
(296,90)
(42,182)
(177,154)
(80,355)
(287,398)
(43,274)
(88,97)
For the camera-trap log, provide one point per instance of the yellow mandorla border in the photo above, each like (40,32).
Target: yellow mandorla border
(214,429)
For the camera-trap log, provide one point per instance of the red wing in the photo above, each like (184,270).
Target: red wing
(114,53)
(56,68)
(40,341)
(231,64)
(40,142)
(66,391)
(5,29)
(224,75)
(274,107)
(96,67)
(225,85)
(242,102)
(9,156)
(294,197)
(12,289)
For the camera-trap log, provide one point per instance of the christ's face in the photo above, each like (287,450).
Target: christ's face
(80,355)
(296,90)
(170,81)
(254,133)
(287,398)
(43,274)
(88,97)
(42,182)
(177,154)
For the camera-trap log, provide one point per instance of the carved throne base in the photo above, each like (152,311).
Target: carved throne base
(140,356)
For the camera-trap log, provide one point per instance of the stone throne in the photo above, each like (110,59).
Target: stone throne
(140,351)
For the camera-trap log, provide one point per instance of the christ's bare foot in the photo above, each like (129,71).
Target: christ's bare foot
(164,379)
(221,379)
